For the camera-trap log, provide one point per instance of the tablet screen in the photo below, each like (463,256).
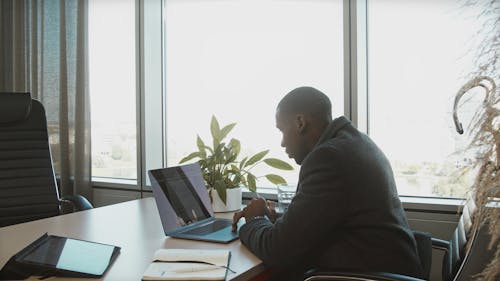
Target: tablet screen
(72,255)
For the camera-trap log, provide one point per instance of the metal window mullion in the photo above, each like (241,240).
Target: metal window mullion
(164,80)
(27,46)
(355,75)
(34,49)
(41,92)
(347,59)
(19,46)
(140,123)
(362,65)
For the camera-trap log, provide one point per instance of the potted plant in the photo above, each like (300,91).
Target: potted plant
(224,172)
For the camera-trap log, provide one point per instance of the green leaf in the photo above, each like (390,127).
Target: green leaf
(235,146)
(224,131)
(251,180)
(235,168)
(237,179)
(275,179)
(257,157)
(189,157)
(215,130)
(236,173)
(200,143)
(218,151)
(203,164)
(230,159)
(278,164)
(242,163)
(221,190)
(201,147)
(244,181)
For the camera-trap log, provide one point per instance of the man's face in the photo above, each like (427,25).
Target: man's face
(292,139)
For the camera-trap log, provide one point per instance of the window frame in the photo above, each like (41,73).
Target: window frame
(356,98)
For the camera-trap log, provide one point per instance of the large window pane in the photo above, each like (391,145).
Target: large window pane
(236,59)
(419,55)
(112,75)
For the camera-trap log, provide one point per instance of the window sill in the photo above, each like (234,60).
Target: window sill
(432,204)
(115,183)
(410,203)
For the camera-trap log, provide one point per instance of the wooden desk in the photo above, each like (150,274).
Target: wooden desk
(134,226)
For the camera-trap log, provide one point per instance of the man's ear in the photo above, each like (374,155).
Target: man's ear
(300,123)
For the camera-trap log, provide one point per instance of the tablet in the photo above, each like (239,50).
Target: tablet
(68,257)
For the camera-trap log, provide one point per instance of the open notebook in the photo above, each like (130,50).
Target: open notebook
(188,264)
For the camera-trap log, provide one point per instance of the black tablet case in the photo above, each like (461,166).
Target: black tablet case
(15,269)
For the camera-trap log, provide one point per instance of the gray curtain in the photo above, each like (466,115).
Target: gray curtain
(44,51)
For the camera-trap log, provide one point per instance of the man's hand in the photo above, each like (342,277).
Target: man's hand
(257,207)
(271,213)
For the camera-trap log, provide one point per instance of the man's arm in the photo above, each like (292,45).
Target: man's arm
(257,208)
(318,207)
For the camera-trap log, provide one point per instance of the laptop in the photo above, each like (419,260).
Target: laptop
(184,205)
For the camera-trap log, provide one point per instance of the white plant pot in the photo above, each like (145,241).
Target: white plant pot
(233,200)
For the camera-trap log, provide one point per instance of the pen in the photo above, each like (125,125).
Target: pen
(198,269)
(191,269)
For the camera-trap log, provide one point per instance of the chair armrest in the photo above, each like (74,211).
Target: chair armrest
(357,276)
(440,244)
(79,202)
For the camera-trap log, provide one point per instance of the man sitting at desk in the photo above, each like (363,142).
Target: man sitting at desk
(346,214)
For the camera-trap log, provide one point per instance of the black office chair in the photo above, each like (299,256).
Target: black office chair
(424,248)
(28,187)
(459,263)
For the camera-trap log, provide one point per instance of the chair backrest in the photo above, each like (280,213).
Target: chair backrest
(457,248)
(424,249)
(469,250)
(28,189)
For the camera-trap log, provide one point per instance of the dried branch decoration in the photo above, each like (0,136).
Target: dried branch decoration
(485,131)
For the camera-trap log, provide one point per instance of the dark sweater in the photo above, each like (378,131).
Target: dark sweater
(346,214)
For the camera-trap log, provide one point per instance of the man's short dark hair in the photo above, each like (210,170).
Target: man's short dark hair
(307,100)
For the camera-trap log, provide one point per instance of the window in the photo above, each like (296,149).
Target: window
(236,59)
(112,86)
(419,53)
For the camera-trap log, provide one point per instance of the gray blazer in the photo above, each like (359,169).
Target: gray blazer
(346,214)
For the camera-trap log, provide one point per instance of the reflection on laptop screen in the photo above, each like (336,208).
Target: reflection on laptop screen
(182,196)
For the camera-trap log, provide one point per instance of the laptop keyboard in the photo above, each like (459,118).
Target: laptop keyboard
(209,228)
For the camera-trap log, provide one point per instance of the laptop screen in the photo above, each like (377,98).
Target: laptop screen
(181,194)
